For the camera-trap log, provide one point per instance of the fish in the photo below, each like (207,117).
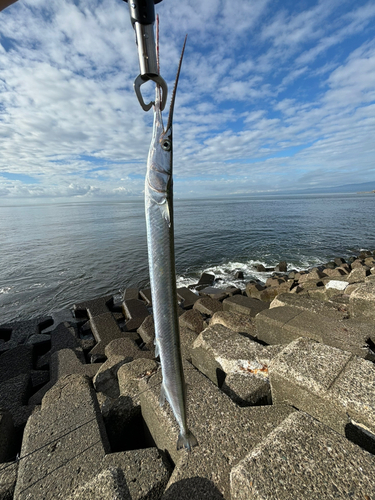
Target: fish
(161,257)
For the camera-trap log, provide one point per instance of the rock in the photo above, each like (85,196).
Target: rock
(358,274)
(135,474)
(105,379)
(260,268)
(339,261)
(330,384)
(135,312)
(218,352)
(240,323)
(302,458)
(6,436)
(208,306)
(131,293)
(14,394)
(91,308)
(281,267)
(244,305)
(146,296)
(206,279)
(225,433)
(337,285)
(254,289)
(239,275)
(62,337)
(64,442)
(16,361)
(214,293)
(147,330)
(8,477)
(122,415)
(19,332)
(64,362)
(193,320)
(362,301)
(281,325)
(186,297)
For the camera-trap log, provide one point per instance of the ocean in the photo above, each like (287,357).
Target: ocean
(53,255)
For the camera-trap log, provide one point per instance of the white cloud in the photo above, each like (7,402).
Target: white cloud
(257,96)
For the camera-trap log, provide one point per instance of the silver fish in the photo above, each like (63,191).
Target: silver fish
(160,242)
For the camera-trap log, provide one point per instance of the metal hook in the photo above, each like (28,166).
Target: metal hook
(140,80)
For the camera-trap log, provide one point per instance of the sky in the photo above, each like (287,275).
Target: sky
(273,95)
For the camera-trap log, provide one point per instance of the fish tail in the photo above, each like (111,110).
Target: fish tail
(186,440)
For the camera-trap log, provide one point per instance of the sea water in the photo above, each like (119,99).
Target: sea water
(53,255)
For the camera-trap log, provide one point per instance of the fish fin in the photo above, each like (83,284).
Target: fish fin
(157,350)
(187,440)
(162,395)
(165,211)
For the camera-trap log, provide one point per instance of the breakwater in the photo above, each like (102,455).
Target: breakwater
(281,393)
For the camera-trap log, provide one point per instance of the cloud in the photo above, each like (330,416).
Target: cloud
(268,97)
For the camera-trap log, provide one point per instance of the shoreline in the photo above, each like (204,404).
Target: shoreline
(274,370)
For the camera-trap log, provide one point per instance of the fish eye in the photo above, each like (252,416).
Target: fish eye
(166,144)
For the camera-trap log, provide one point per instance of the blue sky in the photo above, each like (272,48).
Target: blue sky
(272,96)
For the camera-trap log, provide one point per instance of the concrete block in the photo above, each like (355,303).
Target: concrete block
(145,294)
(95,307)
(218,351)
(105,379)
(213,292)
(135,475)
(302,458)
(6,436)
(64,362)
(358,274)
(19,332)
(362,301)
(187,339)
(147,330)
(206,279)
(281,325)
(8,477)
(129,349)
(332,385)
(135,313)
(64,442)
(333,310)
(208,306)
(131,293)
(240,323)
(14,394)
(122,415)
(225,434)
(186,297)
(244,305)
(193,320)
(105,329)
(62,337)
(254,289)
(16,361)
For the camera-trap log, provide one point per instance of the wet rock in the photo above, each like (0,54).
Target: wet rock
(206,279)
(281,267)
